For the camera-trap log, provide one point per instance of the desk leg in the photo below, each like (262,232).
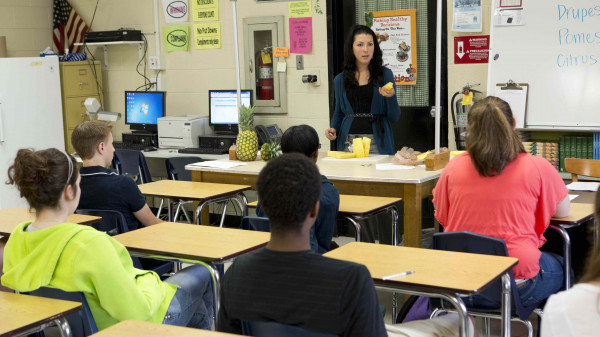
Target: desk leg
(216,290)
(356,227)
(63,326)
(412,215)
(461,309)
(506,305)
(169,210)
(394,212)
(566,252)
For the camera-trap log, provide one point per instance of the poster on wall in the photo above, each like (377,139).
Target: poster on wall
(205,10)
(175,10)
(466,16)
(300,35)
(396,34)
(176,38)
(207,35)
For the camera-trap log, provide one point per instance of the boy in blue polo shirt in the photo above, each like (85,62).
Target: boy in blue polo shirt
(102,188)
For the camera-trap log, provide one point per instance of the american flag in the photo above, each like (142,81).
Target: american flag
(69,27)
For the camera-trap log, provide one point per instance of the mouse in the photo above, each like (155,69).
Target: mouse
(150,148)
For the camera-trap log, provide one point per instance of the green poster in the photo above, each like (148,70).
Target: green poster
(176,38)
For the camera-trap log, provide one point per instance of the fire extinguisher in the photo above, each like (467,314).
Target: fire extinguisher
(264,87)
(460,112)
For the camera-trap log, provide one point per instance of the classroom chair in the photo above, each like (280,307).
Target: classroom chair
(132,163)
(256,223)
(268,329)
(176,171)
(113,223)
(356,207)
(583,167)
(82,322)
(468,242)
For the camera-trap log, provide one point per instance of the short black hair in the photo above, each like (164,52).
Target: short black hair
(288,188)
(300,138)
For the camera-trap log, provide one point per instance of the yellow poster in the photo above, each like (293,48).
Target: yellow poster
(207,35)
(300,9)
(205,10)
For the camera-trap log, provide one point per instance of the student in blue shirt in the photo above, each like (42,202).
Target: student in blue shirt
(304,139)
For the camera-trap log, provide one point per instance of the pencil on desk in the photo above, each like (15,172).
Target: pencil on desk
(385,278)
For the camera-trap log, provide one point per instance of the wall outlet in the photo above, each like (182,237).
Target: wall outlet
(299,62)
(155,84)
(154,62)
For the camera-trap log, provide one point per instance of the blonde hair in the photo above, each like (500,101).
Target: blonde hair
(491,141)
(87,135)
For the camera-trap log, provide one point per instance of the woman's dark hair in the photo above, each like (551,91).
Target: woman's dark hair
(491,141)
(349,65)
(300,138)
(41,176)
(592,268)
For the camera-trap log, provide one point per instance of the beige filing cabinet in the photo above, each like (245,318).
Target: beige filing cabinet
(78,83)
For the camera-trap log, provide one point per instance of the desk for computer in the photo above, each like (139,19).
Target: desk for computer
(436,273)
(193,244)
(11,217)
(24,314)
(350,177)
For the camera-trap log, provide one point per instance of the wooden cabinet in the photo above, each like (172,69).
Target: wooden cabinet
(79,81)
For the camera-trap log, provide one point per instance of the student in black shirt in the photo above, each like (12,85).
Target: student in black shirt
(288,283)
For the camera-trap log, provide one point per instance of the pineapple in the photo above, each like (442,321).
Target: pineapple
(247,141)
(270,150)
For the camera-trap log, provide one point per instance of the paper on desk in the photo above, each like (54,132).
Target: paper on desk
(583,186)
(391,166)
(219,164)
(370,159)
(572,196)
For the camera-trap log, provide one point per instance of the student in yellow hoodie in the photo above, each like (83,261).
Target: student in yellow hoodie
(51,252)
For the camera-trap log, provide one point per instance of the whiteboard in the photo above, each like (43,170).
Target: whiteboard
(557,52)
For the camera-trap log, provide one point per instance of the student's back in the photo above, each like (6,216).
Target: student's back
(302,289)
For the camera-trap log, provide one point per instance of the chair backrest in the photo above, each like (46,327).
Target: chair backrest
(584,167)
(82,322)
(468,242)
(256,223)
(268,329)
(112,223)
(176,167)
(132,163)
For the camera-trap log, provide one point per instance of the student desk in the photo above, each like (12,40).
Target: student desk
(350,177)
(193,244)
(437,273)
(11,217)
(202,192)
(146,329)
(24,314)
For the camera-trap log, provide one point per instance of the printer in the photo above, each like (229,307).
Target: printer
(177,132)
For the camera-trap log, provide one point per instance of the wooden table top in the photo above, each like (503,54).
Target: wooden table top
(147,329)
(192,242)
(189,190)
(341,170)
(19,313)
(434,270)
(579,213)
(361,205)
(11,217)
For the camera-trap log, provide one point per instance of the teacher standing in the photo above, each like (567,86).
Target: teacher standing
(363,107)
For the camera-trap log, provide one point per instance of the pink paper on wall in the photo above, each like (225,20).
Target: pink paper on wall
(300,35)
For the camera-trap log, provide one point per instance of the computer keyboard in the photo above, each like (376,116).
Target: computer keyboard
(203,150)
(130,146)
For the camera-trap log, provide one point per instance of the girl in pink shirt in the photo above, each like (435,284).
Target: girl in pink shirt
(499,190)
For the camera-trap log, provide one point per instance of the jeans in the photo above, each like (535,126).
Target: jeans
(537,289)
(193,303)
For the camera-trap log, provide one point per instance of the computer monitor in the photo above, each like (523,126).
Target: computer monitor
(143,108)
(222,109)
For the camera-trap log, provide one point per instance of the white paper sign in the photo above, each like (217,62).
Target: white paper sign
(175,10)
(509,17)
(466,16)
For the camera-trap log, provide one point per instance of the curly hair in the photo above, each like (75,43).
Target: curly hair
(41,176)
(349,64)
(288,188)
